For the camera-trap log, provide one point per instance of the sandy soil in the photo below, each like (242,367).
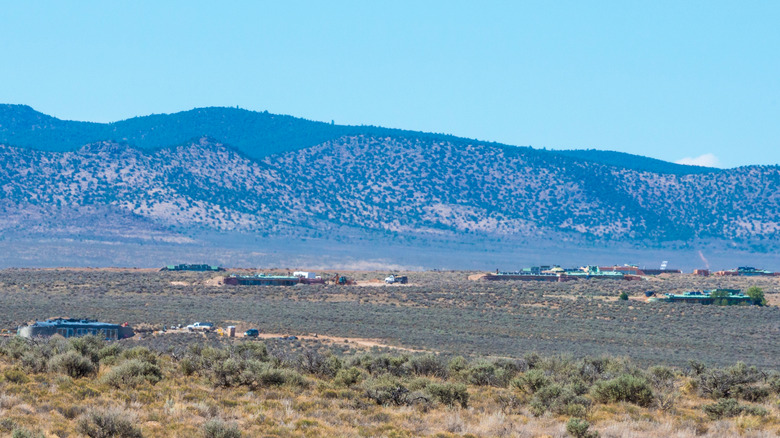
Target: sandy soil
(216,281)
(355,342)
(361,342)
(378,283)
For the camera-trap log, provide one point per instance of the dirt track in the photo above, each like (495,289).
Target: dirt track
(358,342)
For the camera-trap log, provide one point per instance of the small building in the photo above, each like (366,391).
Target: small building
(556,273)
(631,270)
(661,271)
(701,272)
(262,280)
(309,277)
(730,296)
(523,276)
(190,267)
(68,328)
(746,271)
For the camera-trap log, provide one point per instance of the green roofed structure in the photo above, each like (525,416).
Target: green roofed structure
(262,280)
(717,296)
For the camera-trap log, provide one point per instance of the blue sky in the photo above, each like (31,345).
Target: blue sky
(666,79)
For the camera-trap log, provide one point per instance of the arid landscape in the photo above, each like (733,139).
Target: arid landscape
(443,355)
(398,219)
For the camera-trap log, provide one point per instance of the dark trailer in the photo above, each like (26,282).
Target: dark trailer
(69,328)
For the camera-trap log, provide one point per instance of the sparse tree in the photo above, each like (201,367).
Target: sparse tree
(756,295)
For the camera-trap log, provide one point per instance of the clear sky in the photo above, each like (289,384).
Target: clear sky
(667,79)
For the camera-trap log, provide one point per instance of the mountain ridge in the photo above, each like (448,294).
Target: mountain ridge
(356,193)
(400,185)
(256,134)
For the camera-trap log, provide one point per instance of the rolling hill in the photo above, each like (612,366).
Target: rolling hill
(145,183)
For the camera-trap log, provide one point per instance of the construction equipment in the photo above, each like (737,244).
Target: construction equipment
(342,280)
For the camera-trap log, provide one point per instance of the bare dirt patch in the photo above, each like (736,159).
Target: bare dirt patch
(216,281)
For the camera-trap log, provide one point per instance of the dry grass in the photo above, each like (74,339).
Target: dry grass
(180,406)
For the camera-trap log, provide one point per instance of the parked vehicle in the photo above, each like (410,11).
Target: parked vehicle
(201,327)
(252,333)
(396,279)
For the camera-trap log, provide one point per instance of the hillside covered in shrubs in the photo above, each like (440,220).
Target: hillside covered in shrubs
(190,385)
(180,180)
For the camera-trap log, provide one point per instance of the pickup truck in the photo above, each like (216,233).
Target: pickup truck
(201,326)
(391,279)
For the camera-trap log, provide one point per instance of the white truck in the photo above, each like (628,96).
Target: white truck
(201,327)
(391,279)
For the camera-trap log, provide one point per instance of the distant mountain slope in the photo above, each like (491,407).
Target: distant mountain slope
(635,162)
(390,184)
(255,134)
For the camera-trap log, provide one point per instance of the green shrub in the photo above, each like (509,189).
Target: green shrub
(272,377)
(623,296)
(755,394)
(661,377)
(726,383)
(132,373)
(7,425)
(216,428)
(252,350)
(100,423)
(696,367)
(313,362)
(24,433)
(110,351)
(348,376)
(140,353)
(377,365)
(72,364)
(331,366)
(663,381)
(259,374)
(275,376)
(457,365)
(532,359)
(483,372)
(531,381)
(15,347)
(625,388)
(190,366)
(561,400)
(578,428)
(228,373)
(33,361)
(390,390)
(774,384)
(428,365)
(449,393)
(88,346)
(15,375)
(729,407)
